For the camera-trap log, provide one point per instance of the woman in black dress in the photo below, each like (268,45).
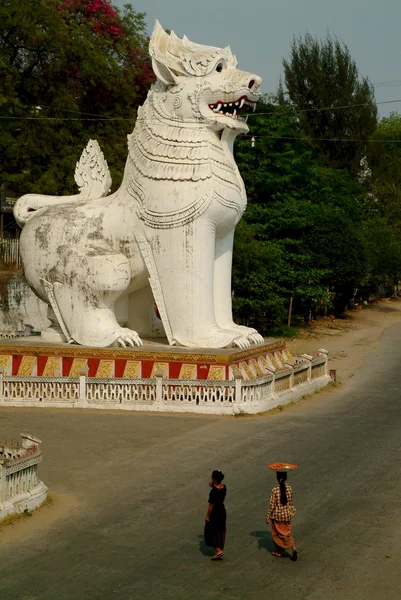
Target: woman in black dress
(215,522)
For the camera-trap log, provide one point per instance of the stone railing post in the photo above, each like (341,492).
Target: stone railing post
(309,358)
(82,384)
(323,352)
(29,440)
(273,383)
(159,386)
(290,366)
(238,386)
(3,482)
(2,371)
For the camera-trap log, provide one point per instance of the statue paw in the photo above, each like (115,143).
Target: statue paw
(250,334)
(128,337)
(241,342)
(256,338)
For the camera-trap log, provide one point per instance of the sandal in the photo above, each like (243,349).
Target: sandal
(294,555)
(218,556)
(278,554)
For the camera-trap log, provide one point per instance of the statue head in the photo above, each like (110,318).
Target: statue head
(202,84)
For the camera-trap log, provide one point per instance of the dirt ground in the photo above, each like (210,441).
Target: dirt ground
(349,340)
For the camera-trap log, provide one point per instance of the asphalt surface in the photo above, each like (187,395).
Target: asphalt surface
(141,484)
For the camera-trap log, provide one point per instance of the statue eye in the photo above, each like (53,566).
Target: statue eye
(219,67)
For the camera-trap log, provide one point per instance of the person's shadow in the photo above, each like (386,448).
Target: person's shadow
(206,551)
(265,541)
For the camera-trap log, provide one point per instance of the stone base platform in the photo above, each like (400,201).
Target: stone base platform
(25,501)
(29,357)
(158,377)
(20,487)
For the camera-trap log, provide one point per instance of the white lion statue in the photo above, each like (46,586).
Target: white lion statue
(101,262)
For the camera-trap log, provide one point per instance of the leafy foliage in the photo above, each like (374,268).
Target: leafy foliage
(382,205)
(300,234)
(67,62)
(321,74)
(385,151)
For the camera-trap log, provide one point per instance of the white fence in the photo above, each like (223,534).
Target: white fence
(219,397)
(10,253)
(20,486)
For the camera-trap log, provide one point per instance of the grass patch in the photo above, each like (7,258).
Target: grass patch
(332,384)
(14,518)
(49,500)
(283,331)
(26,514)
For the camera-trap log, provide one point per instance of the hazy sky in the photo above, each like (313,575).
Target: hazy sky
(260,33)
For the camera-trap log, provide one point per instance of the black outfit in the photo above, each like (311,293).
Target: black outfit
(215,528)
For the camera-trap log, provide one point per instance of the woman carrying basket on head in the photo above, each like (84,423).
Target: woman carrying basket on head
(280,513)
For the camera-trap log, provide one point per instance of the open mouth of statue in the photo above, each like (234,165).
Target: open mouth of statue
(233,109)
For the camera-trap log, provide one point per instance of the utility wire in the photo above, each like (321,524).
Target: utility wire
(313,139)
(74,111)
(96,117)
(345,106)
(64,119)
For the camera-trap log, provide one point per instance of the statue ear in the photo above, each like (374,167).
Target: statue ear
(163,73)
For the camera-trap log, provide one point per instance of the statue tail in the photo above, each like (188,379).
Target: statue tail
(92,176)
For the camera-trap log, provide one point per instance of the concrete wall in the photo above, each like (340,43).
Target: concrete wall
(19,307)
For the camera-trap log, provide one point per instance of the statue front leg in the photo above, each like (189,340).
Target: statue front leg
(223,293)
(184,258)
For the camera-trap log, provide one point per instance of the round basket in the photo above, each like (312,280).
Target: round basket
(280,466)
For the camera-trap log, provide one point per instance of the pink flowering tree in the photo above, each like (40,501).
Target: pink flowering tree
(85,63)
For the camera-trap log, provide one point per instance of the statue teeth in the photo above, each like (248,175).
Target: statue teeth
(234,113)
(241,104)
(218,107)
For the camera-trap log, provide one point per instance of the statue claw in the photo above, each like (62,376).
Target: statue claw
(256,338)
(129,338)
(242,342)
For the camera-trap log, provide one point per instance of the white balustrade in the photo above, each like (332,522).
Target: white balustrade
(168,394)
(319,367)
(40,389)
(198,392)
(301,373)
(19,468)
(10,252)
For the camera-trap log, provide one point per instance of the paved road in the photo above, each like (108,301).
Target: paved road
(141,483)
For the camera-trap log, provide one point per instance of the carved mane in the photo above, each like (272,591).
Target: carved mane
(185,57)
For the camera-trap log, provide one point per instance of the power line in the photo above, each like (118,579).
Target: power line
(65,119)
(312,139)
(345,106)
(73,111)
(97,117)
(387,83)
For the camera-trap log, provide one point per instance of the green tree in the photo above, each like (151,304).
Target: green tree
(383,244)
(321,77)
(300,235)
(382,205)
(384,152)
(67,63)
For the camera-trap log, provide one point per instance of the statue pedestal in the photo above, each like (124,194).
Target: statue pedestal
(53,335)
(37,356)
(157,377)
